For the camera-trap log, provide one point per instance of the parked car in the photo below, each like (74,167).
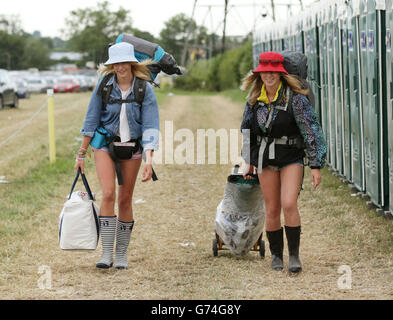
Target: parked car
(50,82)
(22,89)
(36,84)
(66,84)
(8,95)
(83,82)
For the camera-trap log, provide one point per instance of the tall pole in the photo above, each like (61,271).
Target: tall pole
(185,49)
(225,25)
(8,60)
(51,127)
(273,13)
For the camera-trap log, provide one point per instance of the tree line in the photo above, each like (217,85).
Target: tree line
(223,71)
(90,30)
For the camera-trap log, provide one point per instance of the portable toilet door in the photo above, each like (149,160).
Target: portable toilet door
(338,101)
(285,37)
(355,97)
(299,35)
(346,94)
(374,102)
(389,84)
(324,69)
(292,35)
(311,50)
(267,43)
(332,89)
(277,40)
(256,47)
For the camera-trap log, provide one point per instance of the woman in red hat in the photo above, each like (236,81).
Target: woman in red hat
(279,124)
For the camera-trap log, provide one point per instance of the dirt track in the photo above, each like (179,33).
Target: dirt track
(170,255)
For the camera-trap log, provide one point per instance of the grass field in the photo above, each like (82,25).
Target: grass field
(170,255)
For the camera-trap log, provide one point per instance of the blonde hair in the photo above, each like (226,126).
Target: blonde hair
(253,80)
(138,69)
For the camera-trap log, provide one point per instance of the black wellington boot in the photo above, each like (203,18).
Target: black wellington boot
(293,238)
(276,245)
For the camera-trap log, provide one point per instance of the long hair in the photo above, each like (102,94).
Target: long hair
(138,69)
(253,80)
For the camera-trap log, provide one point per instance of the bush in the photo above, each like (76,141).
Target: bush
(213,81)
(224,71)
(195,77)
(246,62)
(228,73)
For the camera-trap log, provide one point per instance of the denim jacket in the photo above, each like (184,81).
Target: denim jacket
(143,122)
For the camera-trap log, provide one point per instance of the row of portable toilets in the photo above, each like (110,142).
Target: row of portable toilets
(350,69)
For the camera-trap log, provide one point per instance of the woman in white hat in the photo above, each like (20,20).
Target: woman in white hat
(130,123)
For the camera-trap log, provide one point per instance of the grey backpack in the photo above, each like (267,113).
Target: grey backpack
(296,64)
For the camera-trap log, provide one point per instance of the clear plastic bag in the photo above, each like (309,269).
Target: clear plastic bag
(240,216)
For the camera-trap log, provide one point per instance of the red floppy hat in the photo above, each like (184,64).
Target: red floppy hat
(271,61)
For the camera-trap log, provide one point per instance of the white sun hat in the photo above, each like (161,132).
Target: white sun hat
(121,52)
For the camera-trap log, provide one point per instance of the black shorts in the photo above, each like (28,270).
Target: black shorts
(284,155)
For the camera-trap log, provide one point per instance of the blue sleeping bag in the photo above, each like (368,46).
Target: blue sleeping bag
(147,50)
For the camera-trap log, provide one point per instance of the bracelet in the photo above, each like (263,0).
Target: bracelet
(80,159)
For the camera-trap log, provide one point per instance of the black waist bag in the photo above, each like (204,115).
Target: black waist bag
(123,151)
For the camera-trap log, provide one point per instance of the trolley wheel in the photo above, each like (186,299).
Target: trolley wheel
(215,247)
(261,247)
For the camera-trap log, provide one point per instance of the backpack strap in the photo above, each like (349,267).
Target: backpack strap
(104,90)
(255,129)
(139,90)
(290,100)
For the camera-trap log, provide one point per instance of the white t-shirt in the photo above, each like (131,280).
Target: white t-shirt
(124,129)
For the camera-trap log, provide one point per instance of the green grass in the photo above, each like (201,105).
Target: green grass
(353,222)
(236,95)
(26,196)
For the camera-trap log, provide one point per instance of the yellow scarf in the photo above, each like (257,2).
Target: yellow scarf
(263,97)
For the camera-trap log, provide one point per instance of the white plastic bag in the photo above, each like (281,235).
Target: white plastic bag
(78,221)
(240,216)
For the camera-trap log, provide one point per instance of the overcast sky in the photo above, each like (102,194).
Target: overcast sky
(47,16)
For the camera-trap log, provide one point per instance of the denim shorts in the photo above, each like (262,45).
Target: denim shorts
(279,168)
(135,156)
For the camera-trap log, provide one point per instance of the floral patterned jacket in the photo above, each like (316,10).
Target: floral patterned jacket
(305,118)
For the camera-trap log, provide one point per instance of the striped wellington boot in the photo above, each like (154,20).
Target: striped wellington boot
(108,231)
(123,236)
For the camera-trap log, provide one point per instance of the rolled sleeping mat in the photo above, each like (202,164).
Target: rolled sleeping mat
(148,50)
